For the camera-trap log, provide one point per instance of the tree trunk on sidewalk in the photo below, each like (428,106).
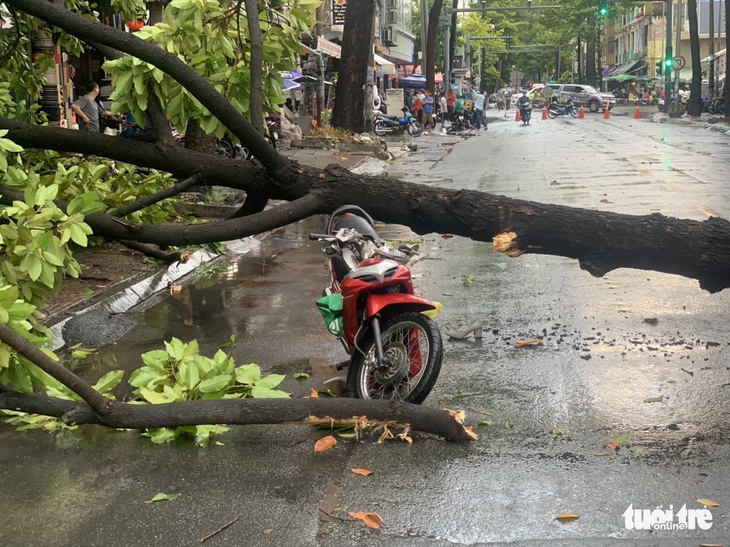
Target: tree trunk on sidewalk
(434,18)
(356,58)
(694,108)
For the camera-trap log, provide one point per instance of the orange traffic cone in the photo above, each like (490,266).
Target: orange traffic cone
(606,114)
(544,113)
(517,115)
(581,113)
(637,114)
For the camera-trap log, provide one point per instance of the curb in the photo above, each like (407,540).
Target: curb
(149,290)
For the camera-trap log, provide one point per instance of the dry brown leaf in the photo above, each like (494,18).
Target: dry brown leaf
(708,502)
(613,446)
(567,517)
(325,443)
(371,520)
(363,472)
(267,532)
(604,200)
(184,257)
(447,236)
(710,212)
(175,289)
(528,342)
(710,545)
(314,394)
(604,454)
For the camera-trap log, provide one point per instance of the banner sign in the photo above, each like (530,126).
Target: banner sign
(338,11)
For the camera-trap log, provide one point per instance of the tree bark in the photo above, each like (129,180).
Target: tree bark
(434,18)
(256,42)
(356,56)
(356,412)
(694,108)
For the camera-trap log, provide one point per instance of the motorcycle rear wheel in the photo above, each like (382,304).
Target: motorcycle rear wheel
(380,129)
(415,129)
(414,350)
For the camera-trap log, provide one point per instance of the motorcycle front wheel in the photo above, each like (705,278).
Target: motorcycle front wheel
(413,352)
(574,112)
(415,129)
(552,113)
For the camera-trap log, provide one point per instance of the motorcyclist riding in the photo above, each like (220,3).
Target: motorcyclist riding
(525,106)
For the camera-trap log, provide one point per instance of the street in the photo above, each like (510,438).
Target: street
(622,408)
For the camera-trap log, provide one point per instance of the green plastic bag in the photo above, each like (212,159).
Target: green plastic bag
(330,307)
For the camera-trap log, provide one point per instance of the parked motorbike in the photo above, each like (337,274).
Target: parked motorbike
(682,104)
(396,125)
(554,109)
(395,349)
(716,105)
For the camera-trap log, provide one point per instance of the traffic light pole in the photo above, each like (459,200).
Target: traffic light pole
(667,56)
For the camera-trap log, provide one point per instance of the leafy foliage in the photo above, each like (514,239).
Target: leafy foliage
(210,36)
(180,373)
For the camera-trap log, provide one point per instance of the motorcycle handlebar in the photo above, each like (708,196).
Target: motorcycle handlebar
(315,237)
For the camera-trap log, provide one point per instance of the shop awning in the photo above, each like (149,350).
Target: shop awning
(624,68)
(307,49)
(328,48)
(385,65)
(714,56)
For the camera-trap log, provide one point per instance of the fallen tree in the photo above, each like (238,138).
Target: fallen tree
(600,241)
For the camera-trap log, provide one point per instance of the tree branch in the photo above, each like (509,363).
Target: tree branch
(362,412)
(140,204)
(147,250)
(83,389)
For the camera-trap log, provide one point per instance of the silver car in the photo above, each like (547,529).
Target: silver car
(582,95)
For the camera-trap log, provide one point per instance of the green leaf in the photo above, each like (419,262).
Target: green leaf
(217,383)
(248,374)
(153,397)
(265,393)
(270,381)
(109,381)
(188,374)
(301,376)
(163,497)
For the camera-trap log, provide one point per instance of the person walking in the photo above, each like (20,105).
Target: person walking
(444,112)
(428,105)
(479,108)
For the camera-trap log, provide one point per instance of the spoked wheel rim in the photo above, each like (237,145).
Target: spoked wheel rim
(406,351)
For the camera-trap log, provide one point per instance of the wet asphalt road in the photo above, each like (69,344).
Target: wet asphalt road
(637,355)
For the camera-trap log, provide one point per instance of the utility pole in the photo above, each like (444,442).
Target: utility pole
(711,75)
(677,52)
(668,57)
(424,36)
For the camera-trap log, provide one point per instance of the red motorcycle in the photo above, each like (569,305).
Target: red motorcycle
(395,350)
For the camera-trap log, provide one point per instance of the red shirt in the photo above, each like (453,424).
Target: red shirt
(450,99)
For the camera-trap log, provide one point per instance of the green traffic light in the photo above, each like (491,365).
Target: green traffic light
(603,10)
(668,62)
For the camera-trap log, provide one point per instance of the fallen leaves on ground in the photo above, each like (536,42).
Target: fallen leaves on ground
(163,497)
(657,399)
(371,520)
(617,442)
(601,454)
(314,394)
(325,443)
(363,472)
(567,517)
(528,342)
(447,236)
(707,502)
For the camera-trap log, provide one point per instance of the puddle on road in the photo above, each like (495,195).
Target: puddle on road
(266,299)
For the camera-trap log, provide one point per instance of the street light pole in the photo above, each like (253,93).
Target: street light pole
(668,55)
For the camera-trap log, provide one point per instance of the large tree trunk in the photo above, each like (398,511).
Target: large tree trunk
(434,17)
(356,58)
(694,108)
(257,65)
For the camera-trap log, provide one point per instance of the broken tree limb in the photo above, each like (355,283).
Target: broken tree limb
(444,423)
